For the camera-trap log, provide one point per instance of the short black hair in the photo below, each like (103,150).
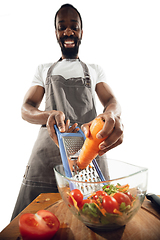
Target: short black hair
(67,5)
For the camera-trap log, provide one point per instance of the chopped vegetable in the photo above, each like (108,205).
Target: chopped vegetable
(117,212)
(74,202)
(90,209)
(99,195)
(102,210)
(122,198)
(109,203)
(123,188)
(77,195)
(41,226)
(86,201)
(105,205)
(110,189)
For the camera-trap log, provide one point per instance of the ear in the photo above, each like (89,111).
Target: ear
(56,33)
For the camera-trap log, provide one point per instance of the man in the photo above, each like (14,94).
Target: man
(69,86)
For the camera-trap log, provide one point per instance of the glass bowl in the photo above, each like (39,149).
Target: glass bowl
(121,177)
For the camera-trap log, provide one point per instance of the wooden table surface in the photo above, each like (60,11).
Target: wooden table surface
(145,225)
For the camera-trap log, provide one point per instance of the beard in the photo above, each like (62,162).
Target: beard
(69,53)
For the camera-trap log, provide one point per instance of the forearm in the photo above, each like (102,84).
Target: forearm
(33,115)
(113,106)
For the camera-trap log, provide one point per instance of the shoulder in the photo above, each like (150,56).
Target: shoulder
(40,74)
(95,68)
(44,67)
(97,72)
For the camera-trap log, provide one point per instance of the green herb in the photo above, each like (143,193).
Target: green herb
(109,189)
(91,209)
(123,207)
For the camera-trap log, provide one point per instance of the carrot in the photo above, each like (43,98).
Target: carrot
(123,188)
(117,212)
(74,202)
(102,210)
(90,147)
(91,195)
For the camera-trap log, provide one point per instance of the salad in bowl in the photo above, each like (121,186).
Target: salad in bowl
(112,203)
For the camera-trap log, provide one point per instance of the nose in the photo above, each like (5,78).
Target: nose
(68,32)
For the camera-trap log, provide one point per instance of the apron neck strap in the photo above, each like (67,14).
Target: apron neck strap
(84,66)
(85,69)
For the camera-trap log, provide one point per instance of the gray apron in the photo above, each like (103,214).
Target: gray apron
(73,97)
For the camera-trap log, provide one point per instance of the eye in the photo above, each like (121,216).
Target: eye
(75,27)
(61,27)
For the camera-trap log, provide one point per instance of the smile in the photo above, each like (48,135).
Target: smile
(69,44)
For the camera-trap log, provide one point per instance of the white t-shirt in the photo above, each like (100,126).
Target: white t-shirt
(70,69)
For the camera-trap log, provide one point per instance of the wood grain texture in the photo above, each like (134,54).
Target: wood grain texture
(145,225)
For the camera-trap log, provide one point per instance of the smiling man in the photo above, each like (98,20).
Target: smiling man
(69,32)
(69,86)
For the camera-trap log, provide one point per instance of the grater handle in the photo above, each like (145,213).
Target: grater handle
(63,152)
(98,170)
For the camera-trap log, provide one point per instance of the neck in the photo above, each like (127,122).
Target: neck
(63,57)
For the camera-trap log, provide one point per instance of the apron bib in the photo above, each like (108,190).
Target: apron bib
(73,97)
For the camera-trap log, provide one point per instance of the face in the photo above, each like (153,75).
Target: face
(68,32)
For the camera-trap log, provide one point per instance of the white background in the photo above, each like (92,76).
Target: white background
(121,36)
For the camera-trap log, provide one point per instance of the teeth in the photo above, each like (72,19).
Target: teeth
(69,42)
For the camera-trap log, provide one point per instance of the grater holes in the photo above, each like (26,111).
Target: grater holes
(72,144)
(82,189)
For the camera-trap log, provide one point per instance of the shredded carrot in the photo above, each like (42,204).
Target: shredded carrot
(98,201)
(123,188)
(97,206)
(74,201)
(102,210)
(117,212)
(91,195)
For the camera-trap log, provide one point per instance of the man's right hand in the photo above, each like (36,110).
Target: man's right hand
(58,118)
(32,114)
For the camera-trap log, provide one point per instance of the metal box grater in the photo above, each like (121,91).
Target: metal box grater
(70,145)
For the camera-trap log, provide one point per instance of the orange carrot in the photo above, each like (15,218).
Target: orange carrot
(74,201)
(102,210)
(117,212)
(123,188)
(90,147)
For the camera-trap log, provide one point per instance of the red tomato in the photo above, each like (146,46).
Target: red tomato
(99,193)
(86,201)
(77,195)
(122,197)
(40,226)
(109,204)
(129,195)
